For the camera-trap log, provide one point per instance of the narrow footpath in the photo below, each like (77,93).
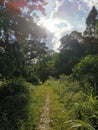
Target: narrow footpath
(45,118)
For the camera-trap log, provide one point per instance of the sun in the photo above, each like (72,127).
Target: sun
(49,24)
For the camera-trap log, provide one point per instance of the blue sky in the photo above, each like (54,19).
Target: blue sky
(64,16)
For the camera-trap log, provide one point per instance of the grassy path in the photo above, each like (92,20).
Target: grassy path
(45,117)
(53,115)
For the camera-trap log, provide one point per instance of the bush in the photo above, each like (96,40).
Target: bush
(87,71)
(76,109)
(14,99)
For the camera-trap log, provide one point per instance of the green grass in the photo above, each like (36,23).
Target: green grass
(20,105)
(71,108)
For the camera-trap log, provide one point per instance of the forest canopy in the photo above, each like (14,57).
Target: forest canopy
(29,70)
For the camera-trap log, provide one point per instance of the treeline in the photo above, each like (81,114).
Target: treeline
(76,98)
(75,101)
(23,51)
(21,40)
(24,58)
(78,55)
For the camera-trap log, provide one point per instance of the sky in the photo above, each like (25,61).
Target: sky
(64,16)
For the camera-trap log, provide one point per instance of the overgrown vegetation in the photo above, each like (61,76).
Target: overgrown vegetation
(71,106)
(27,69)
(20,105)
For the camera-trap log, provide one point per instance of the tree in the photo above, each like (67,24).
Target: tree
(21,4)
(12,62)
(91,23)
(71,51)
(87,70)
(19,37)
(33,50)
(46,67)
(91,19)
(76,35)
(91,45)
(15,100)
(19,26)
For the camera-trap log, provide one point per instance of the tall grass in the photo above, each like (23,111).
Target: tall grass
(72,107)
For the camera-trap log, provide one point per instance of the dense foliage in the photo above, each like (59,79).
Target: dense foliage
(72,107)
(26,65)
(20,105)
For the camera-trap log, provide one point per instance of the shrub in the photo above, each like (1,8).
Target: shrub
(14,99)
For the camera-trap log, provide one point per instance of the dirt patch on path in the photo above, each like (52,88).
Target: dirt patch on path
(45,117)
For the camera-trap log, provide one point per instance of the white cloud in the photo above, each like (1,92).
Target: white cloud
(57,26)
(91,2)
(64,27)
(65,16)
(56,8)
